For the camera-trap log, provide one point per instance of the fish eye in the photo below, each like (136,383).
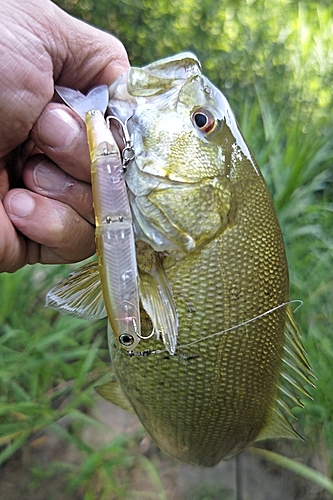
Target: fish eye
(203,120)
(126,339)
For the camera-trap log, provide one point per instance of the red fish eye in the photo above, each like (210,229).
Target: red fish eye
(204,120)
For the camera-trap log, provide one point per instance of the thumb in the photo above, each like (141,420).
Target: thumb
(82,55)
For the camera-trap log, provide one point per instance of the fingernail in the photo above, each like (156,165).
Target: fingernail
(21,204)
(49,179)
(58,129)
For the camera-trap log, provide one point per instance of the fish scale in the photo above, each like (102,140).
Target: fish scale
(197,284)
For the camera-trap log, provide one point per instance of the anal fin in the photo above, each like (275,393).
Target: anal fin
(278,426)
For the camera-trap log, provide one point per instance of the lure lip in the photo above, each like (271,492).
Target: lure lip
(96,99)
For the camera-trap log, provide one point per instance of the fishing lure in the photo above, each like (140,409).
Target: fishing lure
(114,230)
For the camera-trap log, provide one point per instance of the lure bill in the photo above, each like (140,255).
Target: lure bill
(114,230)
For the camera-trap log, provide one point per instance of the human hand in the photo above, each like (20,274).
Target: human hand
(46,212)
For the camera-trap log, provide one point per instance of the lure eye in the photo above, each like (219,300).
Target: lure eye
(126,339)
(204,120)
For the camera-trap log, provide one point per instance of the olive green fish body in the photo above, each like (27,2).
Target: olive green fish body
(220,363)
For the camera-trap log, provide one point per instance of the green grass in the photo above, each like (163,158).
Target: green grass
(48,362)
(293,465)
(49,365)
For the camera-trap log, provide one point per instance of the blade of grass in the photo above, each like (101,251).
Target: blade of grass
(300,469)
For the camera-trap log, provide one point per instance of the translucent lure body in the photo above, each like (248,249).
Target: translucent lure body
(114,231)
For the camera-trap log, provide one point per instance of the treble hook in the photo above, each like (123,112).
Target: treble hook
(127,153)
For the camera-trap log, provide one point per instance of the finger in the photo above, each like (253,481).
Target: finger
(61,134)
(44,177)
(4,180)
(12,245)
(62,234)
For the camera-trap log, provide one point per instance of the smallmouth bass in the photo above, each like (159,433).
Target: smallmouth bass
(218,362)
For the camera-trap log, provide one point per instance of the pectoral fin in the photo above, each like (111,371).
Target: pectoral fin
(111,391)
(156,297)
(80,294)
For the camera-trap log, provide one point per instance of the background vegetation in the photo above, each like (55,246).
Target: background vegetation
(274,61)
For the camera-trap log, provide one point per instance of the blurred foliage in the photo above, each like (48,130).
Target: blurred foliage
(274,61)
(283,46)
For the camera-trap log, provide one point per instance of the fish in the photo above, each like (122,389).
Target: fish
(220,363)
